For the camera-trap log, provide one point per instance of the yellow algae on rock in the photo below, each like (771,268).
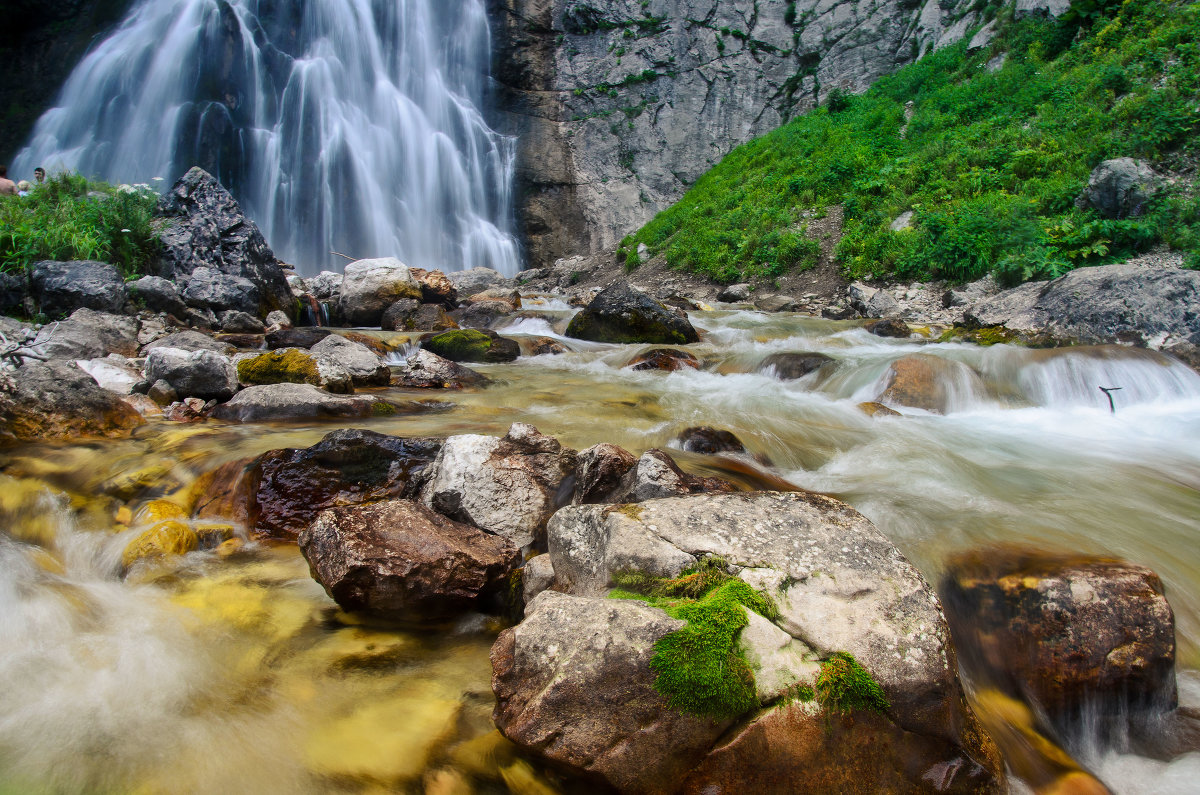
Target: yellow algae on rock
(27,511)
(358,649)
(384,742)
(157,511)
(165,538)
(213,535)
(230,547)
(522,779)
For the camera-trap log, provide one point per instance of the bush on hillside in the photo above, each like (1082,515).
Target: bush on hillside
(990,165)
(70,217)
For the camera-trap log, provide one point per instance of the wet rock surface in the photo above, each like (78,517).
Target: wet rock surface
(426,370)
(401,561)
(57,400)
(370,286)
(624,315)
(667,359)
(792,365)
(473,345)
(290,402)
(202,374)
(927,382)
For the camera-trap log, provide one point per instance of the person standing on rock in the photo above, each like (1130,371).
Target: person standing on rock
(39,175)
(7,186)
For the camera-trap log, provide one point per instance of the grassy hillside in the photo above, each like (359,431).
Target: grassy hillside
(990,163)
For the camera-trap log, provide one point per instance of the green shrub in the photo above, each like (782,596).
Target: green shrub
(70,217)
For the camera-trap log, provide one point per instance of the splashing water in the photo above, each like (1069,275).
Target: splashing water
(341,125)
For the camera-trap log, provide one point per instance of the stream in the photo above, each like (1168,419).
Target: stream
(232,670)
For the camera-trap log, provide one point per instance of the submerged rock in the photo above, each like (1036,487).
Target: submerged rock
(667,359)
(621,314)
(401,561)
(473,345)
(56,400)
(286,402)
(709,441)
(507,486)
(62,287)
(791,365)
(1065,632)
(928,382)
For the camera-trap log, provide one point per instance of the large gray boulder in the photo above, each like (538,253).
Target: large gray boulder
(426,370)
(370,286)
(159,295)
(364,367)
(56,400)
(208,288)
(293,366)
(206,228)
(189,340)
(62,287)
(476,280)
(622,314)
(289,402)
(508,486)
(1119,188)
(401,561)
(87,334)
(872,301)
(1106,303)
(201,374)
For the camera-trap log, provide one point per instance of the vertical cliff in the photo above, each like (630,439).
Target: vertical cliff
(621,104)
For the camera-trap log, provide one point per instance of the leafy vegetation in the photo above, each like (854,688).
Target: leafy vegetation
(1000,144)
(69,217)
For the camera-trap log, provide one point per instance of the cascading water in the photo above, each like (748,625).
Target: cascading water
(352,126)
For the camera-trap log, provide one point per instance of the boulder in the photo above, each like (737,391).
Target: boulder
(657,475)
(476,280)
(114,373)
(426,370)
(370,286)
(473,345)
(546,346)
(158,295)
(735,293)
(87,334)
(436,288)
(365,368)
(56,400)
(599,472)
(621,314)
(12,292)
(164,539)
(889,327)
(325,285)
(401,561)
(508,486)
(209,288)
(839,587)
(536,576)
(481,314)
(190,341)
(931,383)
(304,337)
(207,229)
(1065,632)
(775,303)
(293,366)
(62,287)
(791,365)
(971,293)
(202,374)
(1119,188)
(287,402)
(710,441)
(277,321)
(279,492)
(573,684)
(668,359)
(401,316)
(232,321)
(872,302)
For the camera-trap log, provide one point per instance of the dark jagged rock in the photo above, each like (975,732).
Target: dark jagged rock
(158,295)
(62,287)
(710,441)
(473,345)
(57,400)
(206,228)
(1065,632)
(303,337)
(401,561)
(1120,188)
(624,315)
(667,359)
(599,472)
(208,288)
(12,292)
(401,315)
(794,365)
(889,327)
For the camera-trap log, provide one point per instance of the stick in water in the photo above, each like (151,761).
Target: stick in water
(1108,390)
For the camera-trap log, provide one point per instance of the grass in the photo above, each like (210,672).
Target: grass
(990,164)
(72,218)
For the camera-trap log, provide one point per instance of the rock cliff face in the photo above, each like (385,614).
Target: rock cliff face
(620,105)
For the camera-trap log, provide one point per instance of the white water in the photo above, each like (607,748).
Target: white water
(340,125)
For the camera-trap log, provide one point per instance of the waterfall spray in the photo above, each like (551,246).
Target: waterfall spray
(340,125)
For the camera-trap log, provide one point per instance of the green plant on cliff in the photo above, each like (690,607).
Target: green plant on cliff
(990,164)
(70,217)
(699,668)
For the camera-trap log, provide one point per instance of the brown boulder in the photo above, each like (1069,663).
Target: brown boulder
(401,561)
(710,441)
(1064,631)
(436,287)
(792,364)
(667,359)
(932,383)
(599,471)
(57,400)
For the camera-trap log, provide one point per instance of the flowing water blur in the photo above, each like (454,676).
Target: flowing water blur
(220,672)
(353,126)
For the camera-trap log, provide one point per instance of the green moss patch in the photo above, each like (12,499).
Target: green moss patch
(844,686)
(288,366)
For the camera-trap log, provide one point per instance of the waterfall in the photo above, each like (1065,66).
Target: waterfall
(352,126)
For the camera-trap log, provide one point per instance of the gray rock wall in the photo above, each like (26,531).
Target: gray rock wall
(620,105)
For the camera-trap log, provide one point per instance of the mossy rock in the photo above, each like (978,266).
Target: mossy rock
(473,345)
(286,366)
(165,538)
(620,314)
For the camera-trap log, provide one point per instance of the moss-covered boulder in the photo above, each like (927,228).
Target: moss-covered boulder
(293,366)
(473,345)
(621,314)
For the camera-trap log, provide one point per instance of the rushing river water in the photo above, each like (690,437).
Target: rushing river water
(235,673)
